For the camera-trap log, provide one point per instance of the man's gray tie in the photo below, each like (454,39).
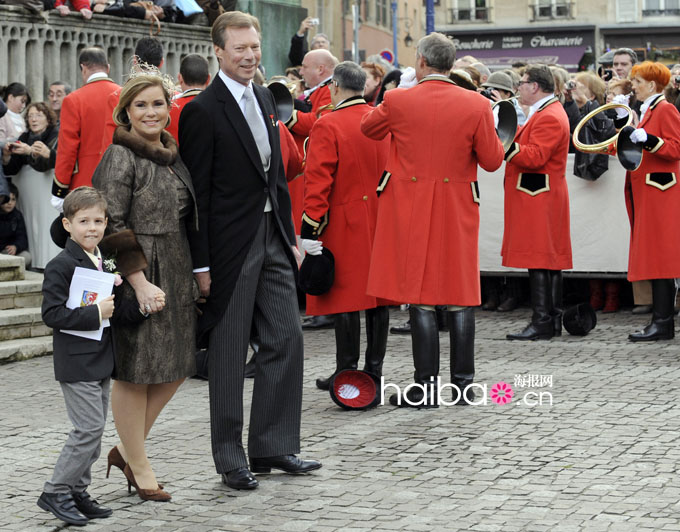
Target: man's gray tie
(257,128)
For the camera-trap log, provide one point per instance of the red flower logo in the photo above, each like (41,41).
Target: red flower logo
(501,393)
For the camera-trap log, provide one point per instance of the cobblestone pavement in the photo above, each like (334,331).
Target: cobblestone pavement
(604,456)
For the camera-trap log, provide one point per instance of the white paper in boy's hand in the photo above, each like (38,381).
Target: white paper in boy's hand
(88,287)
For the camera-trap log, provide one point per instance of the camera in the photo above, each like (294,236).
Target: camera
(608,74)
(314,22)
(487,93)
(677,80)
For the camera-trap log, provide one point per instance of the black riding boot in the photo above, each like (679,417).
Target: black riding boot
(425,341)
(662,326)
(347,345)
(462,333)
(541,326)
(556,290)
(377,322)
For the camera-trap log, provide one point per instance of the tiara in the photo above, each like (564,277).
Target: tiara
(141,68)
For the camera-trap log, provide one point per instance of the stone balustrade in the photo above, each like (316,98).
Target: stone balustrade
(37,50)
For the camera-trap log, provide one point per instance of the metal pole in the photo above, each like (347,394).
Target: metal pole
(394,35)
(355,24)
(429,17)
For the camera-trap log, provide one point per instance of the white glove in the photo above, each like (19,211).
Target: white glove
(408,78)
(496,110)
(621,99)
(311,247)
(57,203)
(638,136)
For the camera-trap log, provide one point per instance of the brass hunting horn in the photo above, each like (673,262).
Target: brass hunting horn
(628,152)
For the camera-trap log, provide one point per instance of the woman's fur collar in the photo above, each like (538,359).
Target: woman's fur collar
(164,156)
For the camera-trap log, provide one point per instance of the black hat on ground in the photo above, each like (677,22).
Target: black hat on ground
(58,233)
(579,320)
(317,273)
(353,389)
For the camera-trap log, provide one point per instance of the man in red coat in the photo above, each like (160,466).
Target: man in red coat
(83,113)
(340,209)
(425,250)
(536,233)
(193,77)
(317,69)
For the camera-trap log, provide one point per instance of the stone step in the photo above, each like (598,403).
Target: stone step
(11,268)
(22,294)
(22,323)
(25,348)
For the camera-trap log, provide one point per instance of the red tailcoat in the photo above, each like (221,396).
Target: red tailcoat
(292,158)
(653,198)
(426,241)
(109,125)
(178,103)
(83,113)
(536,234)
(340,204)
(300,125)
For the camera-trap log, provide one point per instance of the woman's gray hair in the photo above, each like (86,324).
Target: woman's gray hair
(350,76)
(438,51)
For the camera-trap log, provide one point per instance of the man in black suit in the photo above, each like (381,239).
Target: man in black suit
(244,260)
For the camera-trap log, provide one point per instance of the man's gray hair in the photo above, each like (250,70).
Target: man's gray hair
(482,69)
(350,76)
(627,51)
(438,51)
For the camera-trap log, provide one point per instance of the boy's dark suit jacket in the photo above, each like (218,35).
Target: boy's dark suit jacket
(75,358)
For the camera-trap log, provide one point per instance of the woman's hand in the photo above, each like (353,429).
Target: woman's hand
(20,148)
(40,149)
(151,299)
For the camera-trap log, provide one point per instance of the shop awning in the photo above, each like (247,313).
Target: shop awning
(567,57)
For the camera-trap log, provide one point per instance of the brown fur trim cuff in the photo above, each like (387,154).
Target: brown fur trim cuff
(128,254)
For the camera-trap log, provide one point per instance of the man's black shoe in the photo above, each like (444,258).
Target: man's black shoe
(402,329)
(509,304)
(63,507)
(324,384)
(89,507)
(240,479)
(288,463)
(319,322)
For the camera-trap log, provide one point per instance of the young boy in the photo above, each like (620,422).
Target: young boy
(82,366)
(13,235)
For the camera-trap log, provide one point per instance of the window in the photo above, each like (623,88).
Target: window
(381,12)
(551,9)
(469,11)
(651,8)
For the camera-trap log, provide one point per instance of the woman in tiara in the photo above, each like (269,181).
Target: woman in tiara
(149,191)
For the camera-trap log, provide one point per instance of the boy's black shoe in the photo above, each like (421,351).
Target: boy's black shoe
(63,507)
(89,507)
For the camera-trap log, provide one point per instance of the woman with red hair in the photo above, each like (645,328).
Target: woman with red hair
(653,199)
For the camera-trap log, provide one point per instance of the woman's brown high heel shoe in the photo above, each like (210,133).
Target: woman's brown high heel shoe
(146,495)
(115,459)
